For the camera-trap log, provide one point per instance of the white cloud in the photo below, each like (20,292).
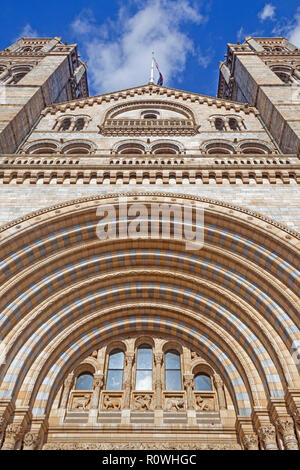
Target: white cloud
(268,12)
(28,32)
(240,34)
(294,33)
(119,53)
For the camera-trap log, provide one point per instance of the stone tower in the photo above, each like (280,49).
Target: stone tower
(34,73)
(265,72)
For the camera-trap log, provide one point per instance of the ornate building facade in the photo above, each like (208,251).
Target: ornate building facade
(140,343)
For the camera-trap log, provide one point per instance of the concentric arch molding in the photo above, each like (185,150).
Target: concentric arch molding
(82,203)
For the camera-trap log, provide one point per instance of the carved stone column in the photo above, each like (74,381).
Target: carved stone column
(250,441)
(267,434)
(13,434)
(97,386)
(158,358)
(286,428)
(128,373)
(220,391)
(188,381)
(67,387)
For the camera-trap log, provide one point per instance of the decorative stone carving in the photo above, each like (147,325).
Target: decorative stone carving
(175,404)
(67,387)
(2,423)
(287,430)
(128,373)
(31,440)
(188,381)
(267,434)
(13,434)
(142,401)
(250,441)
(220,391)
(97,386)
(165,445)
(81,402)
(111,402)
(158,359)
(204,403)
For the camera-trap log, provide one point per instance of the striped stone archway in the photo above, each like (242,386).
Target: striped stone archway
(235,301)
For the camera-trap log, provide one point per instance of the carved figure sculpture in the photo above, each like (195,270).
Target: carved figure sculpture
(202,404)
(175,404)
(111,403)
(142,402)
(81,403)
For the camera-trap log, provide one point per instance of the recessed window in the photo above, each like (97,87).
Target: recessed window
(144,368)
(203,382)
(84,382)
(173,370)
(114,379)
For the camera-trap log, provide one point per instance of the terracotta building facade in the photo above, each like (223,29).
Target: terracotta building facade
(138,342)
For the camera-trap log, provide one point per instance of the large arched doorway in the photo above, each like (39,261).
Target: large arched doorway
(76,308)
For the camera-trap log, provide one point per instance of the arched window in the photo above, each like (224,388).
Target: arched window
(219,124)
(150,116)
(43,148)
(233,124)
(79,125)
(84,381)
(172,370)
(131,148)
(219,148)
(115,370)
(143,379)
(254,148)
(65,125)
(202,382)
(165,148)
(77,148)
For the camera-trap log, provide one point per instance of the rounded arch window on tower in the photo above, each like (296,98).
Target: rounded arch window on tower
(65,124)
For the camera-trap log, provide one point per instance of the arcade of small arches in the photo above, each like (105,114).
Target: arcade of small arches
(128,311)
(134,146)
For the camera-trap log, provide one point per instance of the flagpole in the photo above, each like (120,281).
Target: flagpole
(152,69)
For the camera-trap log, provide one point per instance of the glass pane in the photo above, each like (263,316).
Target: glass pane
(173,380)
(116,360)
(84,382)
(203,382)
(144,358)
(172,360)
(114,380)
(143,380)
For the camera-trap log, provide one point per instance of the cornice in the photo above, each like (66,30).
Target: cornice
(153,90)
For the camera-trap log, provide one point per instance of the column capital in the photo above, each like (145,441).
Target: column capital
(158,357)
(267,434)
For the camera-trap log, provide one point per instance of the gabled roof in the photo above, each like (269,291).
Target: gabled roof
(151,89)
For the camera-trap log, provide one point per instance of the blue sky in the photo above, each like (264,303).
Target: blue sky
(116,37)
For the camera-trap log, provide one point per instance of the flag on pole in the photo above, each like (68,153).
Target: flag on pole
(161,78)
